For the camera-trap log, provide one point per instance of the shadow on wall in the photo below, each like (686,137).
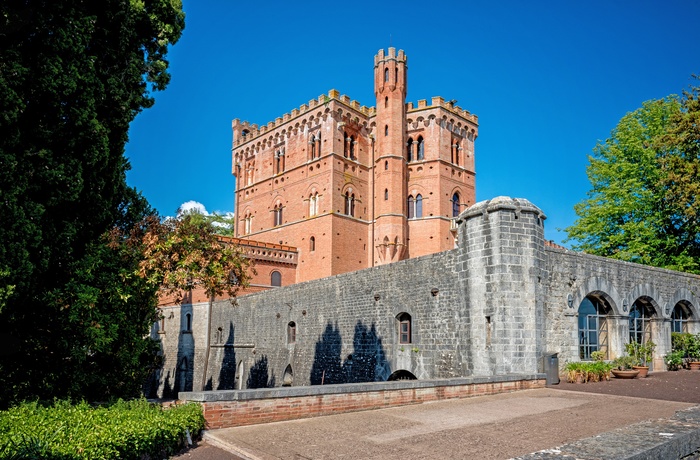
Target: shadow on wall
(367,363)
(227,374)
(258,377)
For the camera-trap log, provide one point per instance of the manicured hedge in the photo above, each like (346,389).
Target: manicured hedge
(133,429)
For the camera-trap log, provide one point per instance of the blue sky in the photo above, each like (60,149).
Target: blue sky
(548,80)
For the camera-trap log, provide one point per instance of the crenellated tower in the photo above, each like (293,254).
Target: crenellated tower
(390,186)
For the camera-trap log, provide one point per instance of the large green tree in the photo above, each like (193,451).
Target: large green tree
(640,205)
(73,75)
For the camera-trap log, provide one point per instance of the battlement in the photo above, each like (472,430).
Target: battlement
(264,251)
(381,57)
(439,101)
(245,131)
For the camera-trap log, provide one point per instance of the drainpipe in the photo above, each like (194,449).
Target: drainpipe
(374,212)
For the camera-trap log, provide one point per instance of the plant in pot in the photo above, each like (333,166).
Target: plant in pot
(575,372)
(642,355)
(622,367)
(674,360)
(694,352)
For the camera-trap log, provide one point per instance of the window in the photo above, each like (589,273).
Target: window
(420,148)
(455,205)
(346,145)
(415,206)
(291,332)
(386,194)
(386,130)
(312,147)
(386,102)
(277,215)
(640,324)
(404,320)
(455,151)
(313,204)
(349,204)
(592,328)
(312,244)
(679,319)
(386,165)
(386,74)
(352,147)
(276,279)
(279,161)
(247,223)
(409,150)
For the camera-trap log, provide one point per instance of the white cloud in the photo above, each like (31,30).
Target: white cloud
(192,205)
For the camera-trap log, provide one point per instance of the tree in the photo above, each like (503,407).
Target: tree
(73,75)
(631,213)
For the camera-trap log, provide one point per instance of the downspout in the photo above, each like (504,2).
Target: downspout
(374,212)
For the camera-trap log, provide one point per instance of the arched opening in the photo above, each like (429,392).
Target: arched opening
(404,328)
(288,378)
(409,150)
(640,317)
(386,165)
(291,332)
(593,326)
(386,102)
(386,194)
(386,74)
(455,205)
(352,147)
(276,279)
(386,130)
(312,244)
(421,148)
(419,205)
(679,317)
(410,207)
(401,374)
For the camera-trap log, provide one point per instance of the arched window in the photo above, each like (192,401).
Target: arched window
(640,322)
(312,244)
(312,147)
(386,130)
(421,154)
(455,205)
(291,332)
(276,279)
(415,206)
(679,318)
(247,223)
(346,145)
(386,74)
(352,147)
(404,328)
(455,151)
(313,204)
(409,149)
(349,204)
(592,327)
(277,215)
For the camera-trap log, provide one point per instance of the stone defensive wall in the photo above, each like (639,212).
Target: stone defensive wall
(494,306)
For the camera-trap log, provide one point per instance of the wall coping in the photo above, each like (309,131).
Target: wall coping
(320,390)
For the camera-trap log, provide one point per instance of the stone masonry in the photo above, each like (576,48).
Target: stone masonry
(492,306)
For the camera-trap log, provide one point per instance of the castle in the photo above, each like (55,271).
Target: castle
(352,187)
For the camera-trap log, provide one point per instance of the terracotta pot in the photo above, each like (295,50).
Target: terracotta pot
(626,374)
(643,371)
(695,365)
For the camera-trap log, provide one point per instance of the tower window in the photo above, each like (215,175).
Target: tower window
(409,149)
(352,147)
(313,204)
(386,165)
(277,215)
(349,204)
(420,148)
(386,74)
(276,279)
(386,130)
(415,206)
(386,194)
(455,205)
(346,145)
(312,244)
(386,102)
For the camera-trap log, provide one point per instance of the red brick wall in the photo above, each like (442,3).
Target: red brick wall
(251,412)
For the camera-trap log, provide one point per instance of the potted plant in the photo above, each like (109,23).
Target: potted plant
(674,360)
(622,367)
(642,355)
(575,372)
(694,352)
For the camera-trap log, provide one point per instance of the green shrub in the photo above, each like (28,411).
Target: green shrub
(122,430)
(588,371)
(674,360)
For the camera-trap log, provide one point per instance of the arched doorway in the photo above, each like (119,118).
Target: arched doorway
(401,374)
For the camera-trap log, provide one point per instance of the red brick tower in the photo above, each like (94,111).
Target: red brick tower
(390,165)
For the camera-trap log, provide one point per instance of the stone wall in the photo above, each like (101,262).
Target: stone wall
(493,306)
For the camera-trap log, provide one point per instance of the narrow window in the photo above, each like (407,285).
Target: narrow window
(386,102)
(291,332)
(346,146)
(347,203)
(386,165)
(318,149)
(276,279)
(455,205)
(409,150)
(312,244)
(386,130)
(313,204)
(312,147)
(386,194)
(404,320)
(352,147)
(386,74)
(410,207)
(419,206)
(352,205)
(277,215)
(420,148)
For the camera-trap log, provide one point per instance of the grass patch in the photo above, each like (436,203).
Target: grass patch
(133,429)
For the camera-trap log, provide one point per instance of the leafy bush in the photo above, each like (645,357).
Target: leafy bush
(674,360)
(133,429)
(686,343)
(588,371)
(642,353)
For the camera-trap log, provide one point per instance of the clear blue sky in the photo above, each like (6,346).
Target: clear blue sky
(548,80)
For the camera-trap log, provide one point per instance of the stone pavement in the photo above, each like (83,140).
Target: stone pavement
(531,424)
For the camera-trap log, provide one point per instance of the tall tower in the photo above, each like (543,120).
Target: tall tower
(390,185)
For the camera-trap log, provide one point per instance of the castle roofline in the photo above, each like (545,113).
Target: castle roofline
(501,203)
